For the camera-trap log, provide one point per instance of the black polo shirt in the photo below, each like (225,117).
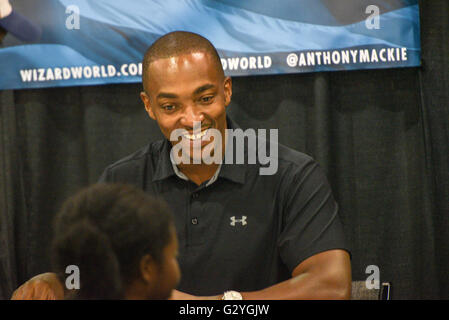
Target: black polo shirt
(244,231)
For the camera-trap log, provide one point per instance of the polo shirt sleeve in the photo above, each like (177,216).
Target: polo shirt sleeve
(310,222)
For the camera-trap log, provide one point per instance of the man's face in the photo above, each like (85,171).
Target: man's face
(186,89)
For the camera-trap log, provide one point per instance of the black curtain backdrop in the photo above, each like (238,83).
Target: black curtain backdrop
(381,135)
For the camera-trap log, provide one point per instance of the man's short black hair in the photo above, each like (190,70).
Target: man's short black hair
(174,44)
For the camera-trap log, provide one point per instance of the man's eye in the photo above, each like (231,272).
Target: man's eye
(168,107)
(207,99)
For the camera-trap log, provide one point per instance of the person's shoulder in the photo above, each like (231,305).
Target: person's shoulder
(138,158)
(297,168)
(280,162)
(293,158)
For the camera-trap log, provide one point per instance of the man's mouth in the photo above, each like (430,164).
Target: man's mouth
(196,136)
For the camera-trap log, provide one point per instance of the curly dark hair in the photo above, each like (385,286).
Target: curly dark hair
(105,230)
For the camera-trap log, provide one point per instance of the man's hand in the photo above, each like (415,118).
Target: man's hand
(44,286)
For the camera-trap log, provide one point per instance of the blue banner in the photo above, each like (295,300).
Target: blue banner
(87,42)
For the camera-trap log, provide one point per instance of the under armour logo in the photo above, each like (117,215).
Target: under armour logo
(234,220)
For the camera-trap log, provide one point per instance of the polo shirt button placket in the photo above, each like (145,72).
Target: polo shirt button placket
(194,220)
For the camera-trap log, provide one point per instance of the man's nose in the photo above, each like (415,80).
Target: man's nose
(191,117)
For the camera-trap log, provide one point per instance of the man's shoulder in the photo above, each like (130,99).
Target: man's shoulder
(135,162)
(281,160)
(294,157)
(293,162)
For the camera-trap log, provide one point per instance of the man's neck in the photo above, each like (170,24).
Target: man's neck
(199,173)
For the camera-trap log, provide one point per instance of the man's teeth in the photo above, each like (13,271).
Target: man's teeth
(195,136)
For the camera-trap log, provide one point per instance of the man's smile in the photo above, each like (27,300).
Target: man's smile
(196,136)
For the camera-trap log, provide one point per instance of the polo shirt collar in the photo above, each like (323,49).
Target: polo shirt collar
(184,177)
(166,167)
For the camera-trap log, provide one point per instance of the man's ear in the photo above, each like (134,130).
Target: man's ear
(146,102)
(148,268)
(227,90)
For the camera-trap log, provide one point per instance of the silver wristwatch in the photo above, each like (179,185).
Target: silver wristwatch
(232,295)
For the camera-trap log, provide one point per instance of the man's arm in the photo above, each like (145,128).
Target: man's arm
(324,276)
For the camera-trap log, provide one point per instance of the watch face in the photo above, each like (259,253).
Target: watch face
(232,295)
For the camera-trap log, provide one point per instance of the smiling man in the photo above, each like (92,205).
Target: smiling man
(242,235)
(267,237)
(184,84)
